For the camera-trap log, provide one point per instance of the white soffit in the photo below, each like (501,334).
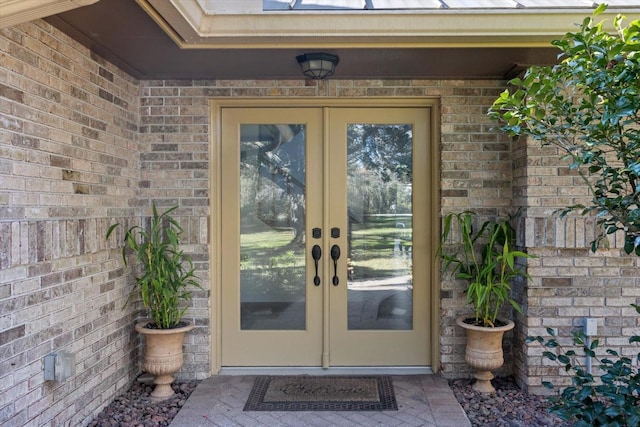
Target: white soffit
(373,23)
(13,12)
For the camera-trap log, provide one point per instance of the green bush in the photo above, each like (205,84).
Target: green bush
(588,106)
(609,399)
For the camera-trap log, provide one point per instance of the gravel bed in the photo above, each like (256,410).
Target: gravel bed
(508,407)
(135,408)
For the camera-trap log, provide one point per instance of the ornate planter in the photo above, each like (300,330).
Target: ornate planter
(484,352)
(163,356)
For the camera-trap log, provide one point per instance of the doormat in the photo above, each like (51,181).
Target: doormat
(322,393)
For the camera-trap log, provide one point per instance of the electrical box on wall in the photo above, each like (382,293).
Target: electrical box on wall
(59,366)
(590,326)
(50,367)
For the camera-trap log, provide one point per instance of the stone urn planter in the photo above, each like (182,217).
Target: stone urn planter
(163,356)
(484,351)
(164,278)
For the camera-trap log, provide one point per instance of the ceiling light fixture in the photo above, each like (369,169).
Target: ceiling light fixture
(318,65)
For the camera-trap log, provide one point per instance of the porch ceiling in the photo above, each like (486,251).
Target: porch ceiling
(152,44)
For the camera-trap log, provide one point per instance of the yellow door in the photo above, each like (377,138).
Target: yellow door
(325,221)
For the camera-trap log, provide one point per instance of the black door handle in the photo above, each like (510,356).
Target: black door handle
(316,253)
(335,254)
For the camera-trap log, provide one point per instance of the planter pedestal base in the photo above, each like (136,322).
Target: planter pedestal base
(163,388)
(483,382)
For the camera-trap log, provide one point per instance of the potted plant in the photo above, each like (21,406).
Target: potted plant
(163,280)
(485,257)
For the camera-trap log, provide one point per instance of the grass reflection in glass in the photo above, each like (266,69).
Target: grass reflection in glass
(380,288)
(271,280)
(381,246)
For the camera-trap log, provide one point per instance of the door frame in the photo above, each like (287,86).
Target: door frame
(216,105)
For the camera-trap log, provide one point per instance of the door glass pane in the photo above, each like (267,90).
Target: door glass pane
(379,172)
(272,213)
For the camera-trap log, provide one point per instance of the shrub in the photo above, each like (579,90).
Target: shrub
(609,399)
(588,106)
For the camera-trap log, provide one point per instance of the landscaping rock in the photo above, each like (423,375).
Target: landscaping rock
(135,408)
(508,407)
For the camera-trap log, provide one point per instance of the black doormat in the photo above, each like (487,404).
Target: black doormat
(322,393)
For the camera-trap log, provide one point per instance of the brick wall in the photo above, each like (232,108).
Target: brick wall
(174,170)
(477,175)
(569,282)
(68,168)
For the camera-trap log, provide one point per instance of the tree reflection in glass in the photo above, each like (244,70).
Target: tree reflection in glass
(272,212)
(379,180)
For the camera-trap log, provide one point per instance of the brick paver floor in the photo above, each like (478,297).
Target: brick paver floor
(423,400)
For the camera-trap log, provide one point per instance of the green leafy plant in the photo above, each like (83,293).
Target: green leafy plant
(486,258)
(588,105)
(610,399)
(166,272)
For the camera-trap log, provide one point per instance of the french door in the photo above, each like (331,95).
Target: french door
(325,232)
